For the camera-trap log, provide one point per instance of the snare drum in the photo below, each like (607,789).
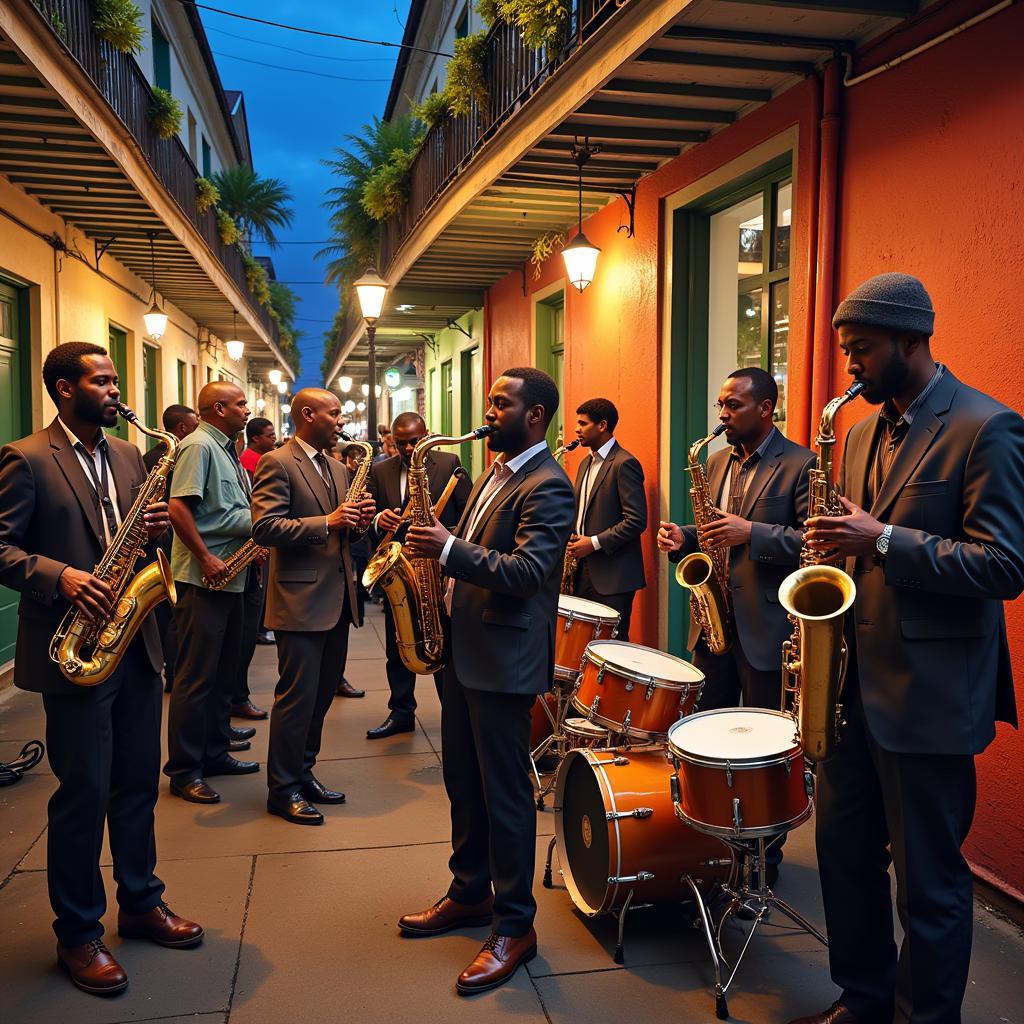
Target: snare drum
(617,831)
(581,733)
(635,690)
(579,622)
(741,772)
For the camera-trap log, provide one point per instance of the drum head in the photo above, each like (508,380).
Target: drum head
(635,660)
(584,729)
(733,734)
(583,849)
(581,608)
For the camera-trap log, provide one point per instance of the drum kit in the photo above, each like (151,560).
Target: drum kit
(656,802)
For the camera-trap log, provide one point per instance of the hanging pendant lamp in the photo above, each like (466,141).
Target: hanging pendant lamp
(156,318)
(580,255)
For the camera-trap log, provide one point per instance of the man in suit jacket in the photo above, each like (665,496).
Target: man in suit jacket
(611,515)
(388,484)
(503,565)
(300,513)
(64,492)
(934,538)
(760,484)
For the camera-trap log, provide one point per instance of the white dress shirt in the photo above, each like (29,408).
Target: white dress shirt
(96,472)
(313,453)
(587,490)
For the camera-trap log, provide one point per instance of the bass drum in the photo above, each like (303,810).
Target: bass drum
(617,831)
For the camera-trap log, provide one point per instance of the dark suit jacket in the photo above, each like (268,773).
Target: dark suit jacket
(310,569)
(48,521)
(385,484)
(776,505)
(933,660)
(507,574)
(617,516)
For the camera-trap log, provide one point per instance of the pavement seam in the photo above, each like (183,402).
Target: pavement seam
(16,870)
(540,998)
(241,938)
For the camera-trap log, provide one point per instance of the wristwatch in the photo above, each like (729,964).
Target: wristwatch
(882,544)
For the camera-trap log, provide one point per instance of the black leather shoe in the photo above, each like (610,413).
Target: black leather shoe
(389,727)
(230,766)
(346,689)
(296,810)
(265,638)
(241,734)
(195,791)
(238,745)
(317,793)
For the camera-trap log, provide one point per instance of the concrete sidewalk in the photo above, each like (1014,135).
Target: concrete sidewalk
(300,922)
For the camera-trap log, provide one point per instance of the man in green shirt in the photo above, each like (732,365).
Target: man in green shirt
(209,509)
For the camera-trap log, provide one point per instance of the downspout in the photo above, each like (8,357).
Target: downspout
(803,424)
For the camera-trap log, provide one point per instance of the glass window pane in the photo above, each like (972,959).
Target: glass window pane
(783,225)
(748,328)
(780,346)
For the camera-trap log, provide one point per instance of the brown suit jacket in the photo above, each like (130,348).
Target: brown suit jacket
(310,569)
(48,521)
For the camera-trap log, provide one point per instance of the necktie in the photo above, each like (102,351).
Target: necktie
(592,470)
(325,474)
(101,488)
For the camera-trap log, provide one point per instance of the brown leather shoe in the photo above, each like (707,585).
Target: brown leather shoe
(445,915)
(346,689)
(93,968)
(247,710)
(835,1014)
(162,926)
(496,962)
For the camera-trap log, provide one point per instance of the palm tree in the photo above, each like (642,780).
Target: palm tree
(258,205)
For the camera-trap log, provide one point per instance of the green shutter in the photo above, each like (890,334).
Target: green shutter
(117,347)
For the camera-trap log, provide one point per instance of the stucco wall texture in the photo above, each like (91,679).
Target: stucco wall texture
(931,182)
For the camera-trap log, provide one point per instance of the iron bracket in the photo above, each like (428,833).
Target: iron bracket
(101,245)
(456,326)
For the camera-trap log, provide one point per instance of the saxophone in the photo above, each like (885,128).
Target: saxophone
(89,652)
(817,597)
(570,564)
(358,484)
(412,586)
(703,573)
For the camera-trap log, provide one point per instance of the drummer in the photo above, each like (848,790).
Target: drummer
(760,483)
(611,515)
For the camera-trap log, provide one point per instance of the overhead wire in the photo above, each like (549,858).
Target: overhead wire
(302,53)
(300,71)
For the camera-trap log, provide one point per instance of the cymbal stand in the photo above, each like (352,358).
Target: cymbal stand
(557,740)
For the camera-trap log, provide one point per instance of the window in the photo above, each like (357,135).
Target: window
(192,135)
(182,394)
(117,346)
(462,25)
(161,58)
(550,327)
(150,363)
(431,398)
(206,158)
(446,397)
(470,403)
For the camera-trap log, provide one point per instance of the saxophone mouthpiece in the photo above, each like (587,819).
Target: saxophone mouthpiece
(483,431)
(127,413)
(718,430)
(856,388)
(573,445)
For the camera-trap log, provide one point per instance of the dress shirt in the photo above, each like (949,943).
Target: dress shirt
(312,453)
(403,490)
(587,490)
(93,466)
(744,467)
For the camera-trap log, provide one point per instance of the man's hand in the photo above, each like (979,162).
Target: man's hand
(426,541)
(346,514)
(581,547)
(728,532)
(853,534)
(91,596)
(367,510)
(390,520)
(262,557)
(156,518)
(213,568)
(670,537)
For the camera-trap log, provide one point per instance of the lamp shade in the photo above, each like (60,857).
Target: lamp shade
(286,408)
(371,289)
(345,385)
(261,404)
(393,377)
(236,349)
(361,407)
(366,390)
(156,321)
(349,406)
(282,387)
(580,260)
(274,376)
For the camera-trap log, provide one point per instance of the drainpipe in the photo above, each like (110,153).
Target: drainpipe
(824,285)
(810,268)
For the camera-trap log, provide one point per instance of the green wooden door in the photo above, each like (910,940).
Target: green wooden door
(150,362)
(15,422)
(117,346)
(550,355)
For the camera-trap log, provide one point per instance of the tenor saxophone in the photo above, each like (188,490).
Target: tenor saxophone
(412,586)
(569,564)
(88,652)
(817,597)
(703,573)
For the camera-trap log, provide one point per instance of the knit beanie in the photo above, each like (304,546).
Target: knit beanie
(895,301)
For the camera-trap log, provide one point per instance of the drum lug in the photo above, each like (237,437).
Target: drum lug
(789,767)
(629,686)
(600,675)
(640,876)
(593,708)
(627,721)
(618,761)
(728,774)
(637,812)
(675,789)
(650,690)
(737,817)
(568,622)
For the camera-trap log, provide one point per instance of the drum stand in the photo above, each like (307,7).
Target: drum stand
(557,739)
(759,899)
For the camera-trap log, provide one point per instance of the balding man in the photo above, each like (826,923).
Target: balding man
(389,485)
(209,509)
(300,513)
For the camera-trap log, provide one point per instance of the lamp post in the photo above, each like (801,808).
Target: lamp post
(371,289)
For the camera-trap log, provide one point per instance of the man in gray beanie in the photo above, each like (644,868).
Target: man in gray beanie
(934,539)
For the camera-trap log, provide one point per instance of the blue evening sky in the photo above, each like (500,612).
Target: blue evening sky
(297,119)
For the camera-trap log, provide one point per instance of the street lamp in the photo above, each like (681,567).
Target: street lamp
(282,387)
(274,376)
(156,318)
(371,289)
(236,348)
(345,385)
(580,255)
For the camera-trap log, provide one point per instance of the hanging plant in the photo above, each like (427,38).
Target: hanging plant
(165,113)
(437,107)
(227,228)
(387,189)
(256,279)
(543,247)
(541,22)
(466,81)
(207,195)
(118,21)
(488,10)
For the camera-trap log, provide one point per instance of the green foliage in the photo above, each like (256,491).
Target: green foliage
(283,302)
(256,278)
(227,228)
(541,22)
(437,107)
(118,21)
(207,195)
(288,342)
(258,205)
(488,10)
(387,189)
(165,113)
(543,247)
(466,81)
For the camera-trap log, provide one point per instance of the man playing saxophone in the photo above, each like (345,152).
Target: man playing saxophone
(64,492)
(933,536)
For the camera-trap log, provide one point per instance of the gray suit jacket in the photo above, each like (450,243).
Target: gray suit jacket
(933,660)
(507,574)
(48,521)
(385,484)
(776,505)
(617,516)
(310,569)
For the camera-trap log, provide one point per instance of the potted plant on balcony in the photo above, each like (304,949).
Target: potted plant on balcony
(207,195)
(541,22)
(119,23)
(466,81)
(227,228)
(387,188)
(435,109)
(165,113)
